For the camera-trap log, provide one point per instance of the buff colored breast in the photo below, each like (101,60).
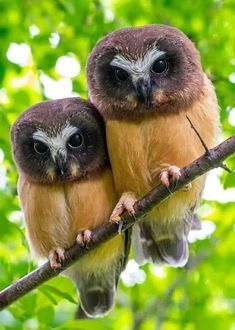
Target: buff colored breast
(55,214)
(138,148)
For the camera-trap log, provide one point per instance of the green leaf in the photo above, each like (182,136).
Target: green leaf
(59,293)
(46,315)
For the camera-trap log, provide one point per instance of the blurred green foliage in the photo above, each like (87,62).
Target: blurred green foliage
(33,36)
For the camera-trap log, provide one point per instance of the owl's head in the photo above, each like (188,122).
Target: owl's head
(58,141)
(134,71)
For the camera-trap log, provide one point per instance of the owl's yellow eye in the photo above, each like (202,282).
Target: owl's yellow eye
(40,147)
(75,141)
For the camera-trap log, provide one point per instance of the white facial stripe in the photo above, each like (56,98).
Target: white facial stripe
(141,67)
(57,143)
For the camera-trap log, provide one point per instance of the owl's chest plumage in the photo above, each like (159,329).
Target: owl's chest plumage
(55,214)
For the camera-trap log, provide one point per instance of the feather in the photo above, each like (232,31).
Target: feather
(152,241)
(97,285)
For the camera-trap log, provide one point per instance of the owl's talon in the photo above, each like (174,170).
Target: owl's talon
(126,202)
(164,178)
(84,237)
(120,224)
(170,173)
(187,187)
(60,251)
(87,235)
(79,239)
(118,210)
(114,218)
(134,216)
(56,256)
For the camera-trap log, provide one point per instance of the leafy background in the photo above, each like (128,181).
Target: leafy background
(43,50)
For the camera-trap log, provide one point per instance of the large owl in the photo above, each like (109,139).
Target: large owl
(145,81)
(66,189)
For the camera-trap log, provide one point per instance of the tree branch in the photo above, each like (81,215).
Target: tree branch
(210,160)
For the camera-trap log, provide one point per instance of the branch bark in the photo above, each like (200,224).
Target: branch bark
(212,159)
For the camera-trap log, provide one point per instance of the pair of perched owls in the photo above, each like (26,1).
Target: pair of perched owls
(144,82)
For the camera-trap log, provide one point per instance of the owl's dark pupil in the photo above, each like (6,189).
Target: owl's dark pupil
(159,66)
(120,74)
(75,141)
(40,147)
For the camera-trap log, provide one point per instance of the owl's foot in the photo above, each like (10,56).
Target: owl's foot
(171,172)
(56,256)
(84,237)
(126,202)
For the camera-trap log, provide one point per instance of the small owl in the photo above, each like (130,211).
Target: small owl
(66,189)
(145,81)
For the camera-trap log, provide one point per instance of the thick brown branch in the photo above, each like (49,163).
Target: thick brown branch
(207,162)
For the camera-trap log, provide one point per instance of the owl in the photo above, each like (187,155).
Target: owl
(145,81)
(66,189)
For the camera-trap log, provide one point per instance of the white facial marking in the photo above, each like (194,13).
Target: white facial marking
(141,67)
(56,143)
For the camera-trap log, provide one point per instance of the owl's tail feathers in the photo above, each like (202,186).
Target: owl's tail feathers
(196,223)
(174,252)
(96,295)
(97,289)
(80,314)
(168,251)
(96,301)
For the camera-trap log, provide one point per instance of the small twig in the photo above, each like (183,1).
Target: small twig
(207,150)
(226,168)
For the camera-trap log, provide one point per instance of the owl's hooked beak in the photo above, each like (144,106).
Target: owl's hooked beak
(144,90)
(60,165)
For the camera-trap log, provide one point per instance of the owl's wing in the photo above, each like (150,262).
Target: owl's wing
(124,259)
(161,247)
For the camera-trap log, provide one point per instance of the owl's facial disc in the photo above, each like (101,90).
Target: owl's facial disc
(140,71)
(57,146)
